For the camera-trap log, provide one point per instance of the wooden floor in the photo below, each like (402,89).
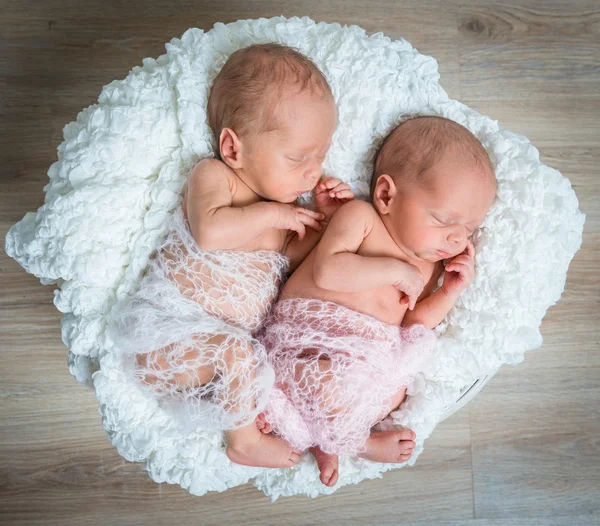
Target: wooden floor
(525,452)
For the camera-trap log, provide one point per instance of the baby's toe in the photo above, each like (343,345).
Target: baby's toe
(334,478)
(407,446)
(329,476)
(406,434)
(294,458)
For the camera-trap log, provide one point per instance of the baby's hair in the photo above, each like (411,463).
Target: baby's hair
(417,143)
(245,93)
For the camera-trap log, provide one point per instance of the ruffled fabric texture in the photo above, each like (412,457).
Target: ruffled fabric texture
(336,372)
(119,177)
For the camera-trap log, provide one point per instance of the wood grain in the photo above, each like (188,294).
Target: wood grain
(523,453)
(519,51)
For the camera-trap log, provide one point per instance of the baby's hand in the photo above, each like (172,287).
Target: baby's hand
(296,218)
(330,194)
(460,272)
(408,280)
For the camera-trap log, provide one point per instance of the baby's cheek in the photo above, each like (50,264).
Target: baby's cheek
(275,178)
(430,239)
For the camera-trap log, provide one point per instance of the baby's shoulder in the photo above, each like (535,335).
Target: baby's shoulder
(356,209)
(356,216)
(211,172)
(209,166)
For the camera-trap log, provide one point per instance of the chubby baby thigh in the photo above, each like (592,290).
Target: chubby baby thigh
(314,380)
(202,359)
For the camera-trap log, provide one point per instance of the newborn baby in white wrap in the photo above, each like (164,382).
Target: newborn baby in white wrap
(217,274)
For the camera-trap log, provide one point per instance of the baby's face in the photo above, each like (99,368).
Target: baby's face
(286,162)
(433,221)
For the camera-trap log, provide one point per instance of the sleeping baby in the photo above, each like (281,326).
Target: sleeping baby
(353,323)
(188,330)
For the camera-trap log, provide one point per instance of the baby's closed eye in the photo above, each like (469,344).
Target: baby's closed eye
(297,158)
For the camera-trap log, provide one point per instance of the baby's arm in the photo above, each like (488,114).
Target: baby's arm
(338,267)
(216,224)
(431,310)
(297,249)
(330,194)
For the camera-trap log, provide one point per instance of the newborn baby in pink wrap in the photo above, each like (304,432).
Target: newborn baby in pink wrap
(353,323)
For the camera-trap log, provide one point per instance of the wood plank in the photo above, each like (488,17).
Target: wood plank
(102,487)
(572,520)
(535,442)
(519,51)
(560,123)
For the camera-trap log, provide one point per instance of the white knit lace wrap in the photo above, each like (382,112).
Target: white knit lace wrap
(195,310)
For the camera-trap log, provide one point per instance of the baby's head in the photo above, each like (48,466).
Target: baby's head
(273,115)
(432,185)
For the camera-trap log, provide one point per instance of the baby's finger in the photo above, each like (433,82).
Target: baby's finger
(343,194)
(337,188)
(413,301)
(311,213)
(309,221)
(462,260)
(330,182)
(470,249)
(300,229)
(463,270)
(340,186)
(404,299)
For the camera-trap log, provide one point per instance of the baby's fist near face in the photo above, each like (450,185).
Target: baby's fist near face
(460,272)
(330,194)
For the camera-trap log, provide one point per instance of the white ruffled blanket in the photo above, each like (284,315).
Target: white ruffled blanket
(119,176)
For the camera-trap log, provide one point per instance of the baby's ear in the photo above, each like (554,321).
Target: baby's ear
(384,193)
(230,148)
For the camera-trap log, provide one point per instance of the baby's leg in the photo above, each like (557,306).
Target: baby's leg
(228,380)
(328,466)
(263,425)
(162,366)
(212,358)
(390,446)
(247,445)
(397,399)
(387,446)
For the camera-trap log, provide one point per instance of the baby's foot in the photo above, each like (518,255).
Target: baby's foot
(389,446)
(262,424)
(260,450)
(328,466)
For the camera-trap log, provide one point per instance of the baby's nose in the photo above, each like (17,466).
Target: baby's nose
(313,172)
(457,237)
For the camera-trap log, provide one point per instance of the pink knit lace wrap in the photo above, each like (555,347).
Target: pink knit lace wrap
(195,311)
(336,371)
